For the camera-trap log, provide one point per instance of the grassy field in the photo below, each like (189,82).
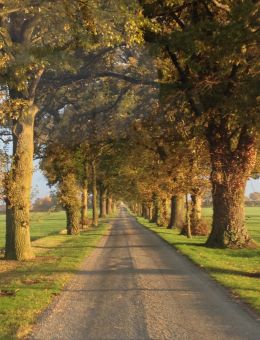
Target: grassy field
(27,288)
(238,270)
(42,224)
(252,220)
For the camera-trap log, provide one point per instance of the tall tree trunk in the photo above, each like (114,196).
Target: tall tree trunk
(198,226)
(69,192)
(162,213)
(114,207)
(177,216)
(155,216)
(231,168)
(94,196)
(109,203)
(9,237)
(150,212)
(188,225)
(19,187)
(139,209)
(103,201)
(73,219)
(84,198)
(143,210)
(68,220)
(84,206)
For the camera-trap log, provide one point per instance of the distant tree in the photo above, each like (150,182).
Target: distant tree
(45,203)
(255,196)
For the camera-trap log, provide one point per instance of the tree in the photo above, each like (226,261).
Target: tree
(211,48)
(27,47)
(255,196)
(44,204)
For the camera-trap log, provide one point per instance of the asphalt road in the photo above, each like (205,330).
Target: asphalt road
(135,286)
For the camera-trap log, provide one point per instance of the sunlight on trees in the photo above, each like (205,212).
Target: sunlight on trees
(146,102)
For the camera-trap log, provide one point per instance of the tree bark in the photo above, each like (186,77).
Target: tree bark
(109,204)
(188,224)
(198,226)
(69,195)
(73,219)
(10,235)
(19,188)
(74,215)
(103,201)
(94,197)
(155,214)
(162,213)
(144,210)
(84,198)
(230,171)
(150,212)
(177,216)
(68,220)
(84,206)
(114,207)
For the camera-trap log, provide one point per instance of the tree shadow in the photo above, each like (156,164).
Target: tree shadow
(255,275)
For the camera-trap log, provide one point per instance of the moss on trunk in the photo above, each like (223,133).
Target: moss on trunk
(84,206)
(231,167)
(18,245)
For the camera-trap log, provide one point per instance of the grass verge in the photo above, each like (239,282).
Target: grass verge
(29,287)
(237,270)
(42,224)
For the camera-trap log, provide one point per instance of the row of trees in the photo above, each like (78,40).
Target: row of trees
(145,100)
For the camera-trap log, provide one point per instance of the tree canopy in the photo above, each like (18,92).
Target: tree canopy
(142,101)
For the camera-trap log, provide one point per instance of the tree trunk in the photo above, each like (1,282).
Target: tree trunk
(84,206)
(73,219)
(68,220)
(162,213)
(9,237)
(109,203)
(69,192)
(155,208)
(19,188)
(147,211)
(94,197)
(177,217)
(144,210)
(103,202)
(198,226)
(150,212)
(139,209)
(230,171)
(114,207)
(188,225)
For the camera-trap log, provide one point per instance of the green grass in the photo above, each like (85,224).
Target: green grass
(252,220)
(237,270)
(42,224)
(35,283)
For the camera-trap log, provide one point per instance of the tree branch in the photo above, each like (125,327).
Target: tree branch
(221,6)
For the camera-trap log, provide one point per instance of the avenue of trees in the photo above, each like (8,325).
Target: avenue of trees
(150,102)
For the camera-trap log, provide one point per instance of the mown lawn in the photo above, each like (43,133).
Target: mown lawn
(27,288)
(42,224)
(252,220)
(238,270)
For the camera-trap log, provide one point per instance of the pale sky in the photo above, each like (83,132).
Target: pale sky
(40,183)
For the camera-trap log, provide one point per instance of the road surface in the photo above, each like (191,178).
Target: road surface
(135,286)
